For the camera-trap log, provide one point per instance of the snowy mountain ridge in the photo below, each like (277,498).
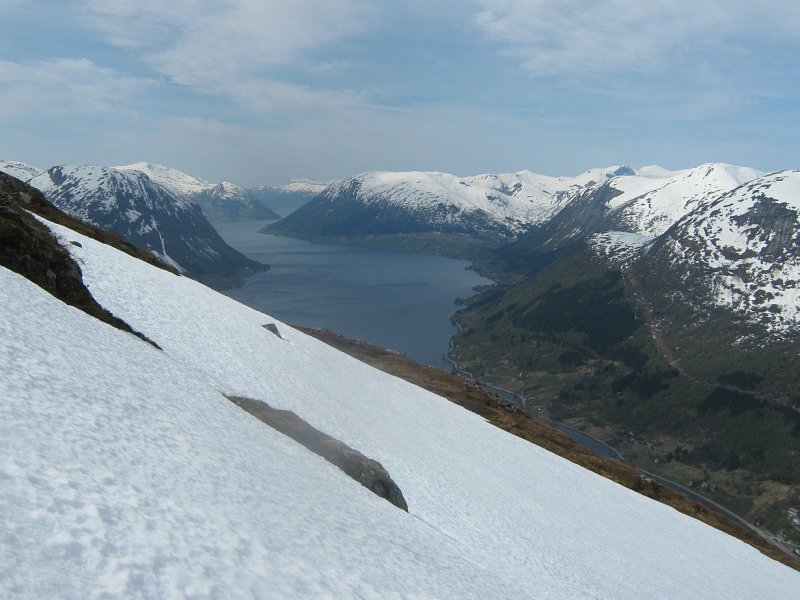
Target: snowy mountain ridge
(512,200)
(148,215)
(221,200)
(738,249)
(20,170)
(138,477)
(170,178)
(650,205)
(506,206)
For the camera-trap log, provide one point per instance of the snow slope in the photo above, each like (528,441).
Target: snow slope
(172,179)
(124,475)
(654,199)
(511,200)
(218,200)
(146,214)
(20,170)
(745,246)
(155,483)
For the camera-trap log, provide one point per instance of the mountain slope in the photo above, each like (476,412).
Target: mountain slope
(646,202)
(492,207)
(19,170)
(224,200)
(734,260)
(149,216)
(159,486)
(285,199)
(681,350)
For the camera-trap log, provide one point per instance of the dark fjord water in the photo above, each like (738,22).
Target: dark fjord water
(396,300)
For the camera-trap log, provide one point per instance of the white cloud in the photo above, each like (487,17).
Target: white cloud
(575,37)
(65,86)
(205,42)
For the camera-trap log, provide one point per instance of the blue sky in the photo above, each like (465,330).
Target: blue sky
(265,91)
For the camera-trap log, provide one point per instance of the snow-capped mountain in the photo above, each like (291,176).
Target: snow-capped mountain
(493,206)
(650,205)
(227,200)
(20,170)
(287,198)
(305,186)
(739,250)
(146,214)
(224,200)
(126,471)
(645,202)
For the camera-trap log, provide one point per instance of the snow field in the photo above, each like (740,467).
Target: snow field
(123,475)
(533,520)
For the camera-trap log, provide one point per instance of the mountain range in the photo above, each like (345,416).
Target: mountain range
(492,207)
(148,215)
(130,469)
(223,200)
(287,198)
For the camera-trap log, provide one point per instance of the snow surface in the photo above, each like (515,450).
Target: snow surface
(619,247)
(655,199)
(514,200)
(126,472)
(749,275)
(20,170)
(172,179)
(302,186)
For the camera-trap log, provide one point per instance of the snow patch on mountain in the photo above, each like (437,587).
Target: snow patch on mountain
(509,202)
(748,241)
(304,186)
(156,485)
(170,178)
(650,204)
(20,170)
(125,475)
(619,247)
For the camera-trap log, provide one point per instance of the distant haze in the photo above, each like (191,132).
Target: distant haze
(264,91)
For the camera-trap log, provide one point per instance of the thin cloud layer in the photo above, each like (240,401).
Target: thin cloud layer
(204,42)
(66,86)
(574,37)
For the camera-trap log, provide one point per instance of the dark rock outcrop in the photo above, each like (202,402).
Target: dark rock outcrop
(366,471)
(29,248)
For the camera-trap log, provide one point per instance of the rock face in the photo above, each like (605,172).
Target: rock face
(149,216)
(27,247)
(221,201)
(366,471)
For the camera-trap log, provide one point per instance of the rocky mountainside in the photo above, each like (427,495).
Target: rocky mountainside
(224,200)
(676,339)
(646,203)
(738,251)
(149,216)
(489,207)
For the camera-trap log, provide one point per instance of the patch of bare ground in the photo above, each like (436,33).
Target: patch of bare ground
(468,395)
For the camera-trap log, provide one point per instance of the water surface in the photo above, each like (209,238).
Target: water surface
(396,300)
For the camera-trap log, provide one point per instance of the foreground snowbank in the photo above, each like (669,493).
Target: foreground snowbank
(125,470)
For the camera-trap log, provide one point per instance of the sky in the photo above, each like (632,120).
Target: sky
(269,91)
